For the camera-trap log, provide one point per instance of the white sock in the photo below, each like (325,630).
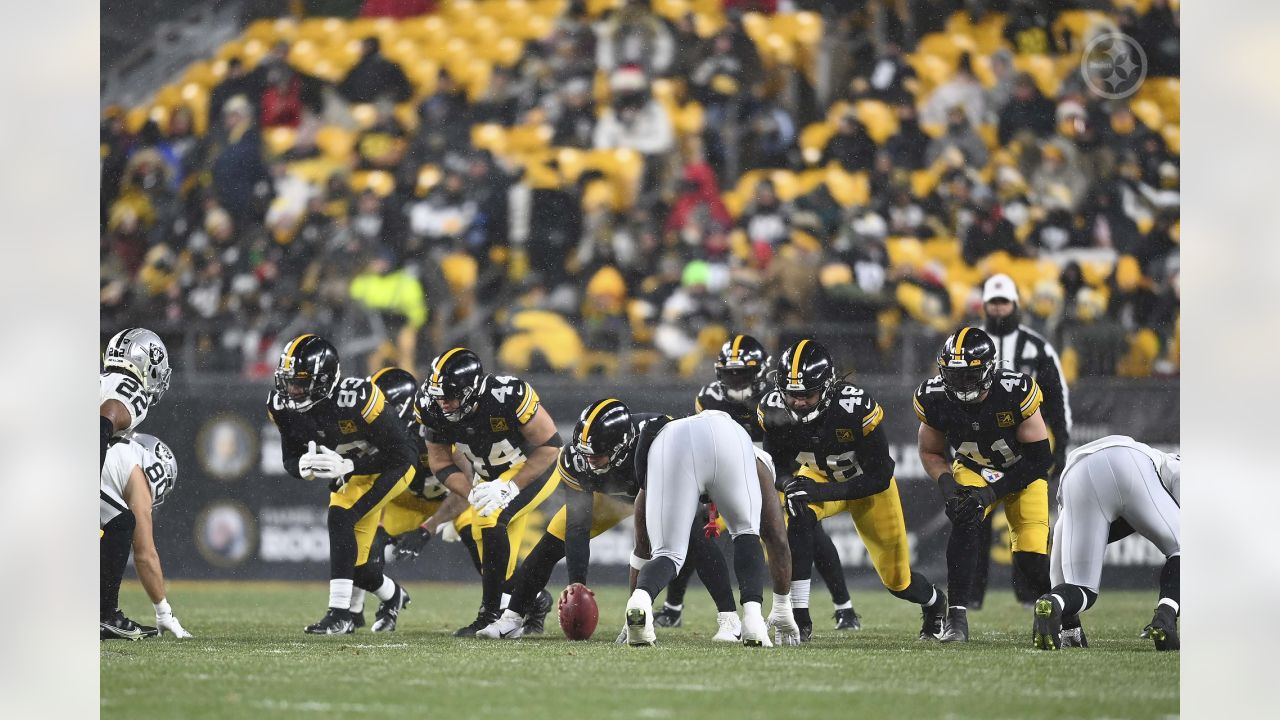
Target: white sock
(1171,603)
(932,598)
(781,601)
(357,600)
(340,594)
(800,593)
(846,605)
(506,600)
(959,607)
(640,598)
(512,615)
(677,608)
(751,609)
(726,615)
(388,589)
(1061,603)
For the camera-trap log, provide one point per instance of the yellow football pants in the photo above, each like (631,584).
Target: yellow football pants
(881,526)
(1027,510)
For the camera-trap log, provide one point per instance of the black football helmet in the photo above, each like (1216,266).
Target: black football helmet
(741,367)
(400,387)
(308,372)
(603,428)
(967,364)
(455,375)
(803,369)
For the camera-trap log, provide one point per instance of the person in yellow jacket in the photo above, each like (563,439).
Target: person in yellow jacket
(397,296)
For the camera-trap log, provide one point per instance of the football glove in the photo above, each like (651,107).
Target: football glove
(797,496)
(499,496)
(165,621)
(409,545)
(330,465)
(783,621)
(448,533)
(307,461)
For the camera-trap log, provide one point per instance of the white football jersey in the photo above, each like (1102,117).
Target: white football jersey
(122,387)
(122,458)
(1168,465)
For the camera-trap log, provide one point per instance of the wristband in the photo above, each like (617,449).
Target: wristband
(446,471)
(637,562)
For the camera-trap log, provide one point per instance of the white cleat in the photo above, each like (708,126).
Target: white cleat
(640,620)
(730,628)
(755,633)
(508,627)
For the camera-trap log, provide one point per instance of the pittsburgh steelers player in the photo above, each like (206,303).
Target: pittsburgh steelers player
(137,475)
(831,456)
(341,431)
(596,499)
(135,373)
(742,369)
(499,424)
(990,419)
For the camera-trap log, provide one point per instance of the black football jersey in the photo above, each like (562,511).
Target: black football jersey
(981,435)
(713,397)
(624,481)
(834,444)
(355,423)
(490,436)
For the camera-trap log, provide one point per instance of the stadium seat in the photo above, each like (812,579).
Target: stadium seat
(1148,112)
(1042,69)
(813,139)
(379,181)
(279,140)
(335,142)
(1172,137)
(905,252)
(943,250)
(428,176)
(365,115)
(879,118)
(849,189)
(1078,23)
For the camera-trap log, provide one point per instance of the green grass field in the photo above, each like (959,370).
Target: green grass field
(251,659)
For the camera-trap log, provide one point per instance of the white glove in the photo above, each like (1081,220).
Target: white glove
(783,621)
(448,533)
(329,465)
(306,464)
(499,496)
(479,494)
(166,621)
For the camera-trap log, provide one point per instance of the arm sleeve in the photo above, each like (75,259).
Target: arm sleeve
(291,447)
(1035,463)
(577,533)
(877,471)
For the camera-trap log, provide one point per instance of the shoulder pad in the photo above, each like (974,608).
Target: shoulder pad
(365,397)
(925,398)
(507,395)
(573,469)
(772,411)
(859,405)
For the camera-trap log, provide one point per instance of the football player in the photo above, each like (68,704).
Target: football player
(1110,488)
(990,419)
(135,373)
(831,456)
(742,370)
(679,462)
(499,424)
(597,499)
(137,475)
(342,432)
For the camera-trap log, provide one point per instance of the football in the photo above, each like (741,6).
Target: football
(578,612)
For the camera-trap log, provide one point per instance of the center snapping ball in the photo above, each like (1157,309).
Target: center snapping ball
(578,612)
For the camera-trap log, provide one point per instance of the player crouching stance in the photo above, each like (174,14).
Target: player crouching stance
(1110,488)
(706,454)
(137,474)
(370,463)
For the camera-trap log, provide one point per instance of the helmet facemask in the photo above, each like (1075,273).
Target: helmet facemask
(616,454)
(739,382)
(315,387)
(967,383)
(792,391)
(467,397)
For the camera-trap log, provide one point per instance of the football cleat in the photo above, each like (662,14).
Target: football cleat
(932,617)
(336,621)
(755,633)
(957,627)
(357,619)
(508,627)
(668,616)
(1074,637)
(640,626)
(1046,628)
(730,627)
(389,611)
(847,619)
(483,619)
(1163,629)
(119,627)
(806,632)
(536,620)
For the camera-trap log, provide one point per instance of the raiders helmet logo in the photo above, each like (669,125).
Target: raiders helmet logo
(156,354)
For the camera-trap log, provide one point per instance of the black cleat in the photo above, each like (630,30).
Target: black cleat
(1163,629)
(847,619)
(336,621)
(668,616)
(357,619)
(118,627)
(481,622)
(1074,637)
(806,633)
(389,611)
(1046,628)
(932,617)
(535,621)
(957,627)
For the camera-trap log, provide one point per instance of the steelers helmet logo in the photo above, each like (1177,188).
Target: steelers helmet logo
(1114,65)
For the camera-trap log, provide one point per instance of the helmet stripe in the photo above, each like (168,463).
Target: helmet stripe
(958,350)
(735,350)
(288,353)
(374,378)
(439,366)
(795,360)
(586,426)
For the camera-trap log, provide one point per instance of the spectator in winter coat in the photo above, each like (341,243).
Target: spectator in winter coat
(374,77)
(1027,110)
(851,145)
(960,135)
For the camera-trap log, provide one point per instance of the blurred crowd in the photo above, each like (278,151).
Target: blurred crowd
(628,182)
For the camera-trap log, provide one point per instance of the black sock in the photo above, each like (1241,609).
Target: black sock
(1034,568)
(1075,599)
(675,591)
(802,616)
(534,572)
(493,573)
(920,591)
(1169,580)
(473,550)
(113,556)
(342,544)
(107,428)
(656,575)
(982,563)
(962,553)
(826,559)
(748,563)
(712,570)
(800,539)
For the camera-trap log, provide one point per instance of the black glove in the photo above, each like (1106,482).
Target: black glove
(970,505)
(797,494)
(410,544)
(948,486)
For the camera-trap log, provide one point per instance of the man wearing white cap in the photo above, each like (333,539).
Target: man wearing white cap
(1022,349)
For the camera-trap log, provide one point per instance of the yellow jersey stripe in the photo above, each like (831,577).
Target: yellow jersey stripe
(872,421)
(374,378)
(919,410)
(959,349)
(435,370)
(288,352)
(697,405)
(373,407)
(795,361)
(733,351)
(530,405)
(586,427)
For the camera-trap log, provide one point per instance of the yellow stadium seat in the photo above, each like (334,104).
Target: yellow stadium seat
(1078,23)
(905,252)
(849,189)
(379,181)
(335,142)
(279,140)
(813,139)
(527,139)
(931,69)
(942,45)
(1173,138)
(489,136)
(943,250)
(428,177)
(988,34)
(690,119)
(365,115)
(990,135)
(707,24)
(983,72)
(881,121)
(323,30)
(1148,112)
(923,182)
(1042,69)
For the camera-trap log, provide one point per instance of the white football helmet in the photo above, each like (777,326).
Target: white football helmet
(162,475)
(142,353)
